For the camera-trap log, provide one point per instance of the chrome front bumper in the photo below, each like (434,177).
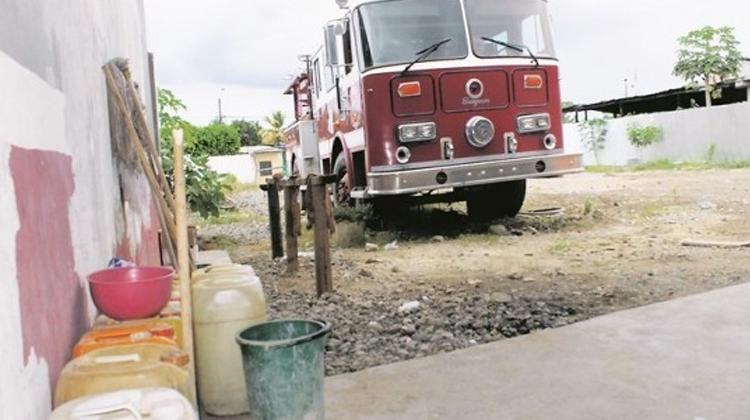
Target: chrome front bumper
(472,174)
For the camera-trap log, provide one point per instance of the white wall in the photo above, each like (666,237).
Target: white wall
(53,98)
(241,166)
(688,135)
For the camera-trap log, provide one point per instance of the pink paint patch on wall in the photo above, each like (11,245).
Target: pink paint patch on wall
(53,310)
(147,250)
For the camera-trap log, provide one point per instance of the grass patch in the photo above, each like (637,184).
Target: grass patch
(668,165)
(651,210)
(230,217)
(563,246)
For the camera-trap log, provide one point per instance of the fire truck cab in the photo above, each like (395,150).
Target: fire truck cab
(433,100)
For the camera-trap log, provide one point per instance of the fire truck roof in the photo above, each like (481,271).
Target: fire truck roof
(354,3)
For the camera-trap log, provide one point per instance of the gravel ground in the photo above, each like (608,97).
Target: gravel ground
(618,245)
(255,230)
(374,329)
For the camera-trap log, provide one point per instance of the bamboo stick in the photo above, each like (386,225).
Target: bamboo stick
(151,143)
(165,215)
(183,252)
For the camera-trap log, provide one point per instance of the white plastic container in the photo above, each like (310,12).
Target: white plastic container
(222,270)
(132,404)
(222,307)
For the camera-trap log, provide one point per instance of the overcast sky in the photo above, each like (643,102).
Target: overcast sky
(245,50)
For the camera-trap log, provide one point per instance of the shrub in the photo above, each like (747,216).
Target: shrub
(594,135)
(215,140)
(642,137)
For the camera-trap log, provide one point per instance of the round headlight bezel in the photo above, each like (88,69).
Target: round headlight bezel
(480,132)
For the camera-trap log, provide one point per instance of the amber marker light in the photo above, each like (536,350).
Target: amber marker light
(533,81)
(409,89)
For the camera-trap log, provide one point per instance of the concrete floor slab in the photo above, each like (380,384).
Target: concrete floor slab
(215,257)
(684,359)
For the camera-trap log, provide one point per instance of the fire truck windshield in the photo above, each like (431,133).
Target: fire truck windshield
(517,22)
(391,32)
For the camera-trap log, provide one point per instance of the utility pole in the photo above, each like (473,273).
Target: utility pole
(221,116)
(626,87)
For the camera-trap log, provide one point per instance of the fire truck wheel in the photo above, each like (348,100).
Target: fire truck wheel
(496,201)
(341,191)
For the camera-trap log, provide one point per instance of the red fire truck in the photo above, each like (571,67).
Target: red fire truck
(433,101)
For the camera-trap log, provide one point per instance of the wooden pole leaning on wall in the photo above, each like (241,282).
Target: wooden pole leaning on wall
(183,254)
(323,227)
(151,148)
(293,224)
(166,216)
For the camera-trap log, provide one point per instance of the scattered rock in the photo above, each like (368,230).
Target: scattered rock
(395,269)
(409,307)
(365,273)
(367,332)
(371,247)
(409,329)
(499,229)
(391,246)
(438,238)
(707,205)
(474,282)
(499,297)
(516,276)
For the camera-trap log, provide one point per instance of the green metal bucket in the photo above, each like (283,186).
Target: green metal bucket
(284,369)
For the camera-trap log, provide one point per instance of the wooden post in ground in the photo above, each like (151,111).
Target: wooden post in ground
(183,256)
(274,218)
(292,216)
(322,228)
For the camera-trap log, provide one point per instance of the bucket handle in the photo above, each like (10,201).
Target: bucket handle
(325,330)
(78,414)
(286,343)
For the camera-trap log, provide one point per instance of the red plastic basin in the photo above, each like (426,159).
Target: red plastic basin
(131,293)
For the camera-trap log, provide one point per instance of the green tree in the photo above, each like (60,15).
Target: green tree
(274,134)
(249,132)
(216,139)
(708,55)
(204,186)
(169,109)
(594,135)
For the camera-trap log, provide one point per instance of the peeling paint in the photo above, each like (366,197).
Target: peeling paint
(53,314)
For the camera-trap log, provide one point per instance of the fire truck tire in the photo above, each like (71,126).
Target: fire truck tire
(496,201)
(341,189)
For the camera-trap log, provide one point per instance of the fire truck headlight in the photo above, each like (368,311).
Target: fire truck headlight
(408,133)
(533,123)
(480,131)
(403,154)
(550,142)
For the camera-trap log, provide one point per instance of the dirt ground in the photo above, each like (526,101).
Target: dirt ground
(617,244)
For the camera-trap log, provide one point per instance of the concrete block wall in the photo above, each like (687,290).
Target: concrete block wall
(688,135)
(241,167)
(65,208)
